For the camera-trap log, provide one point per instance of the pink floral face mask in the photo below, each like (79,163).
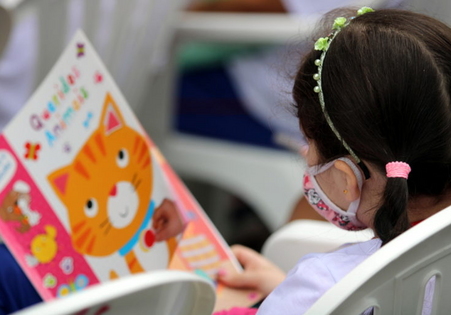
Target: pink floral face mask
(344,219)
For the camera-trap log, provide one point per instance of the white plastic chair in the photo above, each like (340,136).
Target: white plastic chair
(132,36)
(165,292)
(393,280)
(301,237)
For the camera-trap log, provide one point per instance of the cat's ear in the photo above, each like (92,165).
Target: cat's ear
(111,119)
(58,180)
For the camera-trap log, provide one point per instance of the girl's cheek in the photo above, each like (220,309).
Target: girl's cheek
(304,150)
(311,156)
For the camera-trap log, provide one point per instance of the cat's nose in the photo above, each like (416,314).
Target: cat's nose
(113,191)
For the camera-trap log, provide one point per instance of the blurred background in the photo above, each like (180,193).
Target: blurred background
(210,80)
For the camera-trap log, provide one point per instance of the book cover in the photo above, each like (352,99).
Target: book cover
(84,191)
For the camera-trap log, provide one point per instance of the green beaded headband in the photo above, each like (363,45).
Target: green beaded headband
(323,44)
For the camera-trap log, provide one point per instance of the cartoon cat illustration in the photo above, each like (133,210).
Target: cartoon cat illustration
(16,207)
(107,189)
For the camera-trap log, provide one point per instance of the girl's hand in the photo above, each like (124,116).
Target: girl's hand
(166,221)
(259,273)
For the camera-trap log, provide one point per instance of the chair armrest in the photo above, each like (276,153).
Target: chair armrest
(298,238)
(244,27)
(153,292)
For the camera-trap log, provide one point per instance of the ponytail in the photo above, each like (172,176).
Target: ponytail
(391,218)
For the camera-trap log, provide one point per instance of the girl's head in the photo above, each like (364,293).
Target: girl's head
(386,81)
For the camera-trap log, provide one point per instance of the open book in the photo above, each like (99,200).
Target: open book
(84,192)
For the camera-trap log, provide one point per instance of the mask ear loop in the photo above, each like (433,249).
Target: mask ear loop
(315,170)
(318,169)
(351,212)
(366,172)
(356,171)
(354,204)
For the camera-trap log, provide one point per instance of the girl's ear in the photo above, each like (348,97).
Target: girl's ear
(351,190)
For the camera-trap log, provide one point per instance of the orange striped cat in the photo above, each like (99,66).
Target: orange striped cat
(107,190)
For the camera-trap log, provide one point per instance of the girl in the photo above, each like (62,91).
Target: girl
(373,99)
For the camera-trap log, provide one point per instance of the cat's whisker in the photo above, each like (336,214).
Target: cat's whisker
(101,225)
(107,230)
(137,184)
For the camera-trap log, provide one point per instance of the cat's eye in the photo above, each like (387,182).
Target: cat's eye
(122,158)
(91,208)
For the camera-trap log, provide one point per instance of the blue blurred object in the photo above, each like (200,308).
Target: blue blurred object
(16,291)
(208,105)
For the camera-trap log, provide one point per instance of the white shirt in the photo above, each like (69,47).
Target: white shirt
(312,276)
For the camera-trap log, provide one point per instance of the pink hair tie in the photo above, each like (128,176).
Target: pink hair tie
(398,169)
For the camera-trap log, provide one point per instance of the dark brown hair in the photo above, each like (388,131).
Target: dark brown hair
(386,84)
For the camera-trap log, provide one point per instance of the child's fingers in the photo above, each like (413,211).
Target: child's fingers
(157,223)
(168,227)
(157,214)
(161,235)
(231,278)
(227,269)
(245,255)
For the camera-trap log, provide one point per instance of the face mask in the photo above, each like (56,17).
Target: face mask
(346,220)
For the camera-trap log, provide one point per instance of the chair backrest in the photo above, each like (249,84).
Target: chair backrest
(165,292)
(411,272)
(130,36)
(301,237)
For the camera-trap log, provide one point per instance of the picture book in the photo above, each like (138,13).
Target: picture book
(85,195)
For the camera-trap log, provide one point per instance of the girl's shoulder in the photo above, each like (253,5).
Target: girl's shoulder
(341,261)
(313,275)
(361,248)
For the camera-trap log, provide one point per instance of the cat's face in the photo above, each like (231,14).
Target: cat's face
(107,187)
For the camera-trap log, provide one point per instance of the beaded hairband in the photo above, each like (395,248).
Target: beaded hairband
(323,44)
